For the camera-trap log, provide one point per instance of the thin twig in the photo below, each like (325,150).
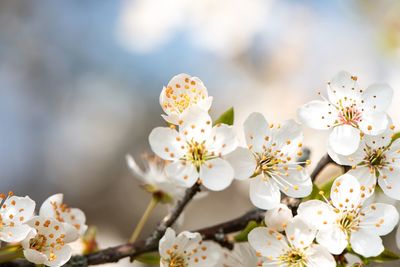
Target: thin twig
(217,232)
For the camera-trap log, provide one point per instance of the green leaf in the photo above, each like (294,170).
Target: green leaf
(149,258)
(242,236)
(226,118)
(385,256)
(314,194)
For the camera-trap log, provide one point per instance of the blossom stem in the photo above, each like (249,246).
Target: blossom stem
(139,227)
(10,253)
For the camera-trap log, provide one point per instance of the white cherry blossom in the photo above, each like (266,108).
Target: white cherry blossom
(155,179)
(183,92)
(188,249)
(349,111)
(376,160)
(292,249)
(196,150)
(73,219)
(45,244)
(270,161)
(345,220)
(14,213)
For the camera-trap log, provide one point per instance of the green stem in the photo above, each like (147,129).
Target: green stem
(139,227)
(10,253)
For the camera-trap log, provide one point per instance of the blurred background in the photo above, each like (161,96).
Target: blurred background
(80,81)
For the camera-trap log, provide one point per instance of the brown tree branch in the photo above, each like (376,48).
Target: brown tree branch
(217,232)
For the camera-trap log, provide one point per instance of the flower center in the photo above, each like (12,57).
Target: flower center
(177,261)
(266,164)
(349,221)
(38,242)
(294,257)
(197,153)
(349,115)
(375,159)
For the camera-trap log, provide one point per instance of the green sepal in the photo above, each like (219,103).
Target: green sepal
(242,236)
(385,256)
(227,117)
(150,258)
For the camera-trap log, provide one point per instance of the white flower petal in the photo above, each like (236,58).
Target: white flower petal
(320,256)
(287,137)
(366,178)
(197,124)
(17,209)
(134,167)
(316,114)
(333,238)
(377,97)
(206,103)
(264,194)
(62,256)
(346,192)
(243,163)
(166,242)
(342,85)
(47,210)
(216,174)
(366,243)
(278,218)
(267,242)
(184,173)
(14,233)
(209,254)
(222,141)
(381,140)
(295,183)
(317,213)
(379,218)
(299,233)
(344,139)
(389,181)
(167,143)
(35,256)
(347,160)
(257,132)
(374,123)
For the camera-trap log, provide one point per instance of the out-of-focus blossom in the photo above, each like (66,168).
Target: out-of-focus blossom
(45,244)
(188,249)
(345,220)
(14,213)
(73,219)
(377,159)
(243,255)
(183,92)
(349,112)
(196,150)
(270,161)
(155,179)
(295,248)
(213,25)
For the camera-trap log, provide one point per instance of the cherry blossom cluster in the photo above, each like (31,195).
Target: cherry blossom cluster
(44,237)
(196,150)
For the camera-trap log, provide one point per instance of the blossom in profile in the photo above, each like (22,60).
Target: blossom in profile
(293,248)
(349,112)
(345,220)
(183,92)
(73,219)
(14,213)
(270,161)
(243,255)
(155,179)
(196,150)
(46,244)
(188,249)
(376,161)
